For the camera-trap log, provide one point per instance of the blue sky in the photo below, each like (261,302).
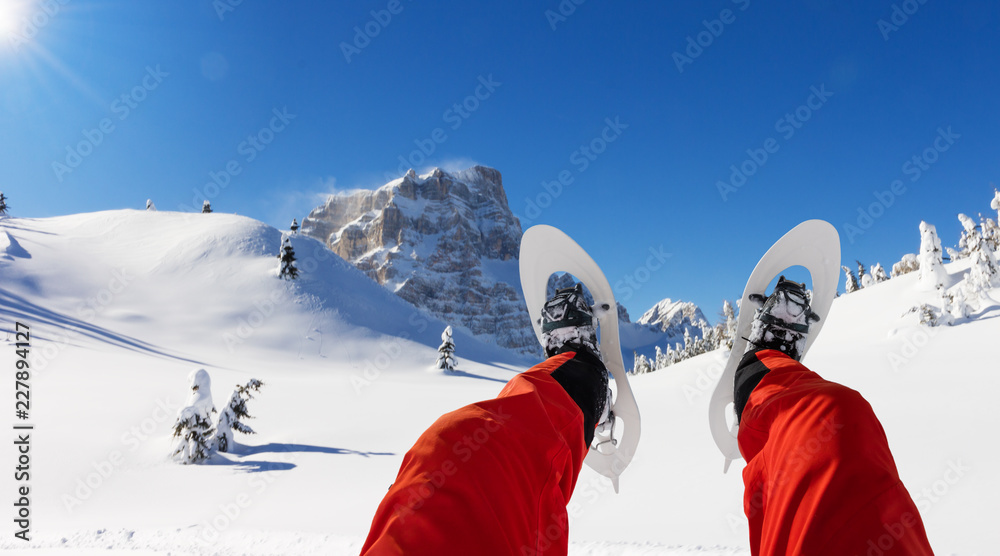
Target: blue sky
(104,104)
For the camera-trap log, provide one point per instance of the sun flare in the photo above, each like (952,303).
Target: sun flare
(12,15)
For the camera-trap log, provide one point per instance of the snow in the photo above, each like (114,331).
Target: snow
(124,305)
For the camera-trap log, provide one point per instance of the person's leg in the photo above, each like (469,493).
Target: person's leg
(494,477)
(820,478)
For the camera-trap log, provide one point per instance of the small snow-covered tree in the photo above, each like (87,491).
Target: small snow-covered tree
(960,308)
(878,274)
(149,205)
(206,207)
(991,234)
(295,225)
(231,418)
(287,269)
(927,314)
(688,344)
(909,263)
(932,270)
(193,429)
(851,285)
(3,204)
(660,361)
(864,278)
(446,351)
(995,203)
(947,305)
(729,333)
(641,365)
(984,273)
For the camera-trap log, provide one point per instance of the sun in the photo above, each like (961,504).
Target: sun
(12,15)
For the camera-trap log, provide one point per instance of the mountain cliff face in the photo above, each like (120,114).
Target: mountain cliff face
(445,242)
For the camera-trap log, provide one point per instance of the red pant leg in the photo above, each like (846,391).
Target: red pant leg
(820,478)
(491,478)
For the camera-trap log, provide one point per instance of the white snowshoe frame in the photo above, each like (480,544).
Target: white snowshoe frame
(546,250)
(814,244)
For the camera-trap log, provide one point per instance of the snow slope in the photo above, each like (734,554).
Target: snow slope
(123,305)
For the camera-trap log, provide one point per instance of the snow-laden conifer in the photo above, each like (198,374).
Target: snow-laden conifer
(932,272)
(287,269)
(878,274)
(193,430)
(851,285)
(234,414)
(446,351)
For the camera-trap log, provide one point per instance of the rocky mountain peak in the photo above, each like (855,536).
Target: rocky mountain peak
(444,241)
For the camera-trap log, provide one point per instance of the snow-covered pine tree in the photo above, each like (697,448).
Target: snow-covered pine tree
(206,207)
(671,356)
(984,273)
(852,283)
(960,308)
(446,352)
(295,225)
(3,204)
(864,279)
(287,269)
(641,365)
(231,418)
(991,234)
(932,270)
(995,203)
(878,274)
(909,263)
(688,345)
(660,361)
(150,205)
(708,341)
(947,306)
(729,334)
(193,428)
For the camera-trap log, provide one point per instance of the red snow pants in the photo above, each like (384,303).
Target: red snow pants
(819,477)
(492,478)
